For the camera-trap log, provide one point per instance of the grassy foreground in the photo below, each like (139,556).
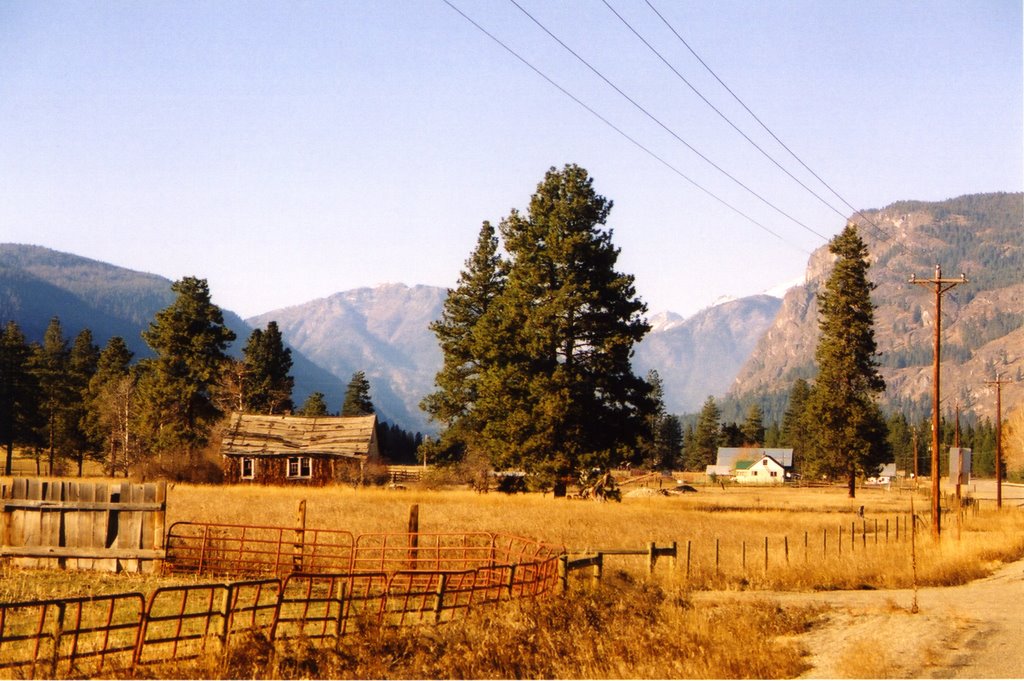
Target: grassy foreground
(633,625)
(725,530)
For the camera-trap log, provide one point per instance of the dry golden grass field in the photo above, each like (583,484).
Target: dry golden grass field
(634,624)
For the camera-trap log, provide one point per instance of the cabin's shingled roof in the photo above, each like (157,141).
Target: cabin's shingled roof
(261,435)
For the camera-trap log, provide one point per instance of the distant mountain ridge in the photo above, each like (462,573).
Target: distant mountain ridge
(700,355)
(382,331)
(747,348)
(981,235)
(37,284)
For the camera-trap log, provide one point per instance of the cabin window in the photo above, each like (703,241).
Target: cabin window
(248,468)
(300,467)
(775,474)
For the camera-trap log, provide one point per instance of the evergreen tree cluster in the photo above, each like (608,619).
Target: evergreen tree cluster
(833,423)
(69,402)
(537,342)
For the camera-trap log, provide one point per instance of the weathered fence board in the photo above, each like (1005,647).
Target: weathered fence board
(86,525)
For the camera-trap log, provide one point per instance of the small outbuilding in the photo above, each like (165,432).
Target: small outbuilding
(309,450)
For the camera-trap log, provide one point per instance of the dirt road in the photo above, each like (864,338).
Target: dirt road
(972,631)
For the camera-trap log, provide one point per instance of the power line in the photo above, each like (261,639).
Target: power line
(667,129)
(792,153)
(614,127)
(720,113)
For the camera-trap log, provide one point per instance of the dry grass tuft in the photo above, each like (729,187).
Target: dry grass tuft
(624,629)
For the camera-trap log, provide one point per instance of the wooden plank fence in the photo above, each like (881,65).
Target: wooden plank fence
(398,475)
(88,525)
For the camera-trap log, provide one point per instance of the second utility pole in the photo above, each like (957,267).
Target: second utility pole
(940,286)
(998,383)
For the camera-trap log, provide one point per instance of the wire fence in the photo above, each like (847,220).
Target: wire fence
(317,585)
(438,579)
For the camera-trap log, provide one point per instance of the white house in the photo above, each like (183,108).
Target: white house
(764,471)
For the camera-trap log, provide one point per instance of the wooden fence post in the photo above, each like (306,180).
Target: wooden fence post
(339,622)
(652,557)
(766,555)
(563,571)
(688,543)
(225,614)
(57,632)
(718,555)
(414,535)
(439,602)
(300,537)
(511,580)
(159,517)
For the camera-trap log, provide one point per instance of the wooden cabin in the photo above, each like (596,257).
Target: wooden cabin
(316,450)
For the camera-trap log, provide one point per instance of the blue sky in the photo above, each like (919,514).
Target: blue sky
(287,151)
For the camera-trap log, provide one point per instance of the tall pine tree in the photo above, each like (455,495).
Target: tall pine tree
(794,422)
(83,361)
(50,363)
(315,405)
(190,339)
(111,405)
(19,393)
(357,397)
(266,382)
(707,435)
(451,405)
(558,392)
(847,425)
(552,388)
(753,427)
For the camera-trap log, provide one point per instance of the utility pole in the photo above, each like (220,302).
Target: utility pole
(959,455)
(917,473)
(998,383)
(940,286)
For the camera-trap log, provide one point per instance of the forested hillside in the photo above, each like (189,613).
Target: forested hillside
(38,284)
(978,235)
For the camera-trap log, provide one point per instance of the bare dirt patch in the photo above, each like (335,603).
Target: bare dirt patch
(969,631)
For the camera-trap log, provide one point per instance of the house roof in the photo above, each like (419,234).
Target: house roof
(260,435)
(729,456)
